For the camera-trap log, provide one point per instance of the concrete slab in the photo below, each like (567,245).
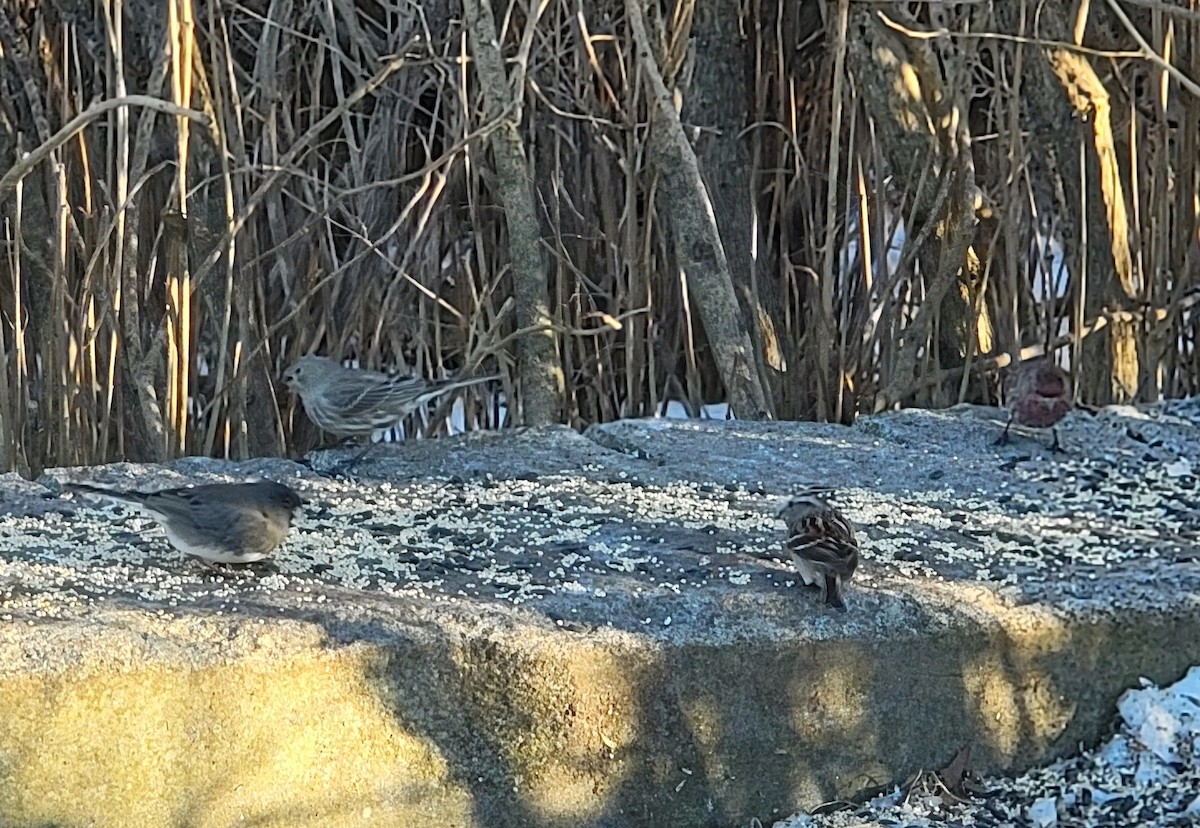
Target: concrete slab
(550,629)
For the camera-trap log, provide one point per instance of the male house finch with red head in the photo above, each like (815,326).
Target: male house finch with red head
(1039,395)
(349,402)
(822,543)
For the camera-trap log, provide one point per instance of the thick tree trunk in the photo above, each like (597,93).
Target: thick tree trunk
(1109,363)
(716,100)
(921,124)
(538,363)
(1064,94)
(697,240)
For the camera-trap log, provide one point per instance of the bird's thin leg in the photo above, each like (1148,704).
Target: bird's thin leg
(341,467)
(346,466)
(1002,440)
(340,442)
(211,567)
(1055,446)
(833,593)
(229,570)
(263,567)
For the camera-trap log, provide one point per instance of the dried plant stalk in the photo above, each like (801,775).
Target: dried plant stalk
(375,182)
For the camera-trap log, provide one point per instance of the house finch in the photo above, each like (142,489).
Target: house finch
(821,542)
(218,523)
(349,402)
(1039,395)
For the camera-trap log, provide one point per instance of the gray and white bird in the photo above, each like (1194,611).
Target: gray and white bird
(225,523)
(821,542)
(351,402)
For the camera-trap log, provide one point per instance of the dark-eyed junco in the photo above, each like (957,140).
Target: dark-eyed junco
(821,542)
(228,523)
(1039,395)
(349,402)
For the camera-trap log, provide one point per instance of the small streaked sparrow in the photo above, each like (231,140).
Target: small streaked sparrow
(351,402)
(1039,395)
(226,523)
(821,542)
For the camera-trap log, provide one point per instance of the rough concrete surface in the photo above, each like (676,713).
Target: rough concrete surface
(541,628)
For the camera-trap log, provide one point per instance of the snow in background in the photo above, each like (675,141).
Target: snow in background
(456,421)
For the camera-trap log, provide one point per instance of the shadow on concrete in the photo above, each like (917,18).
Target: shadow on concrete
(755,702)
(716,734)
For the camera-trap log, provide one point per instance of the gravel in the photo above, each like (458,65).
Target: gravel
(1147,774)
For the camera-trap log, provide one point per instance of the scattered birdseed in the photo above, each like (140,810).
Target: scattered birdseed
(656,535)
(1079,514)
(1147,774)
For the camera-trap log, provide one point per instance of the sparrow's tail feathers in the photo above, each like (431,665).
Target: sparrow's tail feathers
(440,387)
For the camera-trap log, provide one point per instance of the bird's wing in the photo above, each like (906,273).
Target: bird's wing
(212,520)
(176,501)
(372,392)
(180,505)
(827,540)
